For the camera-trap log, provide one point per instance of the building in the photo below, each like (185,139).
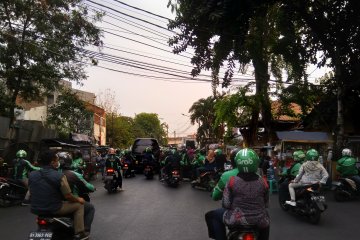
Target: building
(37,111)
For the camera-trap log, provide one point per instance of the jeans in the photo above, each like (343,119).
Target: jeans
(89,212)
(215,224)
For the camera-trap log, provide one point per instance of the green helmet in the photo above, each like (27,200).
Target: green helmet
(21,154)
(312,155)
(247,160)
(299,156)
(218,151)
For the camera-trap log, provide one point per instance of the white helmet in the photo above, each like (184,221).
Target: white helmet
(346,152)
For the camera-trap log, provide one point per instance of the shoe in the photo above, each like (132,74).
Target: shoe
(25,202)
(292,203)
(82,236)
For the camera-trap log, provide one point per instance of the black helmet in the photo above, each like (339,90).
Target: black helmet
(65,160)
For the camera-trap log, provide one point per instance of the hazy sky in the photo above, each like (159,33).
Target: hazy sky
(169,98)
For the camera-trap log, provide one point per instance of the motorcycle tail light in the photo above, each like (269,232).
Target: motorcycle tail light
(41,222)
(110,170)
(175,172)
(125,165)
(248,236)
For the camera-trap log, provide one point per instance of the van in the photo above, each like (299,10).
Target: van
(138,149)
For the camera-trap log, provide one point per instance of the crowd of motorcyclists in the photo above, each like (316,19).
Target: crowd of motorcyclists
(59,177)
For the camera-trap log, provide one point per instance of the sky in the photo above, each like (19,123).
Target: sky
(133,39)
(170,98)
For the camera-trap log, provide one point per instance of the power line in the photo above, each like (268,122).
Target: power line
(140,9)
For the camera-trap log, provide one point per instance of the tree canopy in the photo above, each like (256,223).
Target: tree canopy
(41,43)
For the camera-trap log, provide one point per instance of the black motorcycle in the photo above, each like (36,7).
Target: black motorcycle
(310,202)
(244,232)
(345,189)
(149,171)
(110,180)
(128,170)
(12,192)
(173,179)
(53,228)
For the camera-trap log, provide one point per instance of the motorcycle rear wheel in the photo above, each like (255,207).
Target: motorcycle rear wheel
(314,218)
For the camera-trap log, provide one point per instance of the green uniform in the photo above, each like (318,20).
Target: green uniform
(78,165)
(198,161)
(294,169)
(346,166)
(219,188)
(22,168)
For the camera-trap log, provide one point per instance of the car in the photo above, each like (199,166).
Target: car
(138,149)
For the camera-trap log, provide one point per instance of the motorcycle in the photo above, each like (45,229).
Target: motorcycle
(128,170)
(173,179)
(110,180)
(207,180)
(149,171)
(345,189)
(243,232)
(12,192)
(309,202)
(53,228)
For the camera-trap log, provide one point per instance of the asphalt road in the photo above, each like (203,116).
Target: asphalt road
(149,210)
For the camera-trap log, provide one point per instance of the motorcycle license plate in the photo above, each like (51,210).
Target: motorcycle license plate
(125,168)
(318,198)
(176,176)
(40,235)
(109,177)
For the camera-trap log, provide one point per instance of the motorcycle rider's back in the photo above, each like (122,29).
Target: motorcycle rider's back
(48,188)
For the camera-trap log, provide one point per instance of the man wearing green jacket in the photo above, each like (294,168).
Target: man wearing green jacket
(346,167)
(219,188)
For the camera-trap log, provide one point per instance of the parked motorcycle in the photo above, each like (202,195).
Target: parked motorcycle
(12,192)
(310,202)
(173,179)
(110,180)
(245,232)
(149,171)
(53,228)
(345,189)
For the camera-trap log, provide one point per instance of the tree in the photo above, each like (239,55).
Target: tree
(148,125)
(235,33)
(202,112)
(334,26)
(236,110)
(69,115)
(41,43)
(120,133)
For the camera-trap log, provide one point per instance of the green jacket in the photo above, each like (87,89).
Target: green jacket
(198,161)
(346,166)
(78,165)
(219,188)
(22,168)
(294,169)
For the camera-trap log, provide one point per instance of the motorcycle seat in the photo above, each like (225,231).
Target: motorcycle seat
(242,227)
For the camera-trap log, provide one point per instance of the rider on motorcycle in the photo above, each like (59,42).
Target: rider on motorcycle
(78,164)
(210,165)
(114,162)
(290,174)
(148,157)
(220,160)
(219,188)
(245,199)
(49,188)
(310,172)
(22,168)
(172,161)
(79,187)
(346,167)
